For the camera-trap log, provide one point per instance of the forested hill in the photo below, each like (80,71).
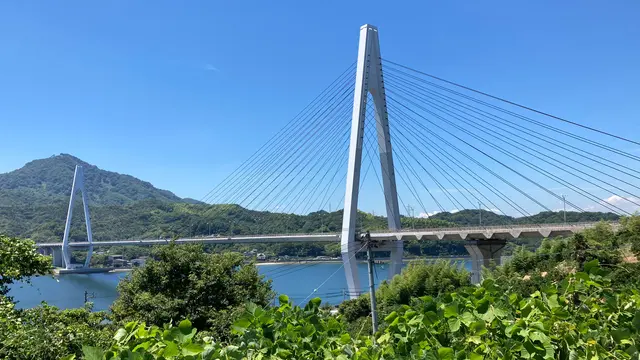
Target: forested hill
(34,200)
(472,218)
(42,181)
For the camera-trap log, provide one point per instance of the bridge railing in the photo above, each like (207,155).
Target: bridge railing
(510,226)
(444,229)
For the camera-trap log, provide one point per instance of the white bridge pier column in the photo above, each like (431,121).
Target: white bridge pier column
(78,184)
(484,253)
(368,80)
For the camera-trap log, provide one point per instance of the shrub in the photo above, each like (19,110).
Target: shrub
(185,282)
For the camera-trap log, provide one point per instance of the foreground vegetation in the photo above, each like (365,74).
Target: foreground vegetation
(574,298)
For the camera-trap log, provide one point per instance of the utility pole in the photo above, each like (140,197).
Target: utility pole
(372,285)
(564,207)
(480,213)
(410,208)
(209,224)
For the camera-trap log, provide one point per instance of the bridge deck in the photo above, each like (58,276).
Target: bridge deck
(459,233)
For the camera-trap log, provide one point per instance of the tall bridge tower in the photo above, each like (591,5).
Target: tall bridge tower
(369,81)
(78,184)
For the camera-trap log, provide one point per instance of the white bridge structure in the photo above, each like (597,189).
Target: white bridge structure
(484,244)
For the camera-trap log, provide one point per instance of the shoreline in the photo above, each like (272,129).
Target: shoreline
(310,261)
(384,261)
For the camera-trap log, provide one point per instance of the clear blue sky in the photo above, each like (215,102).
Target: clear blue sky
(180,93)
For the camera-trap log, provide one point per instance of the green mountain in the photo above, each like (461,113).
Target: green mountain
(45,180)
(488,218)
(34,200)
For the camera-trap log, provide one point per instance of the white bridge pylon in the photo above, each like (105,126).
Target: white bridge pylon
(78,184)
(369,81)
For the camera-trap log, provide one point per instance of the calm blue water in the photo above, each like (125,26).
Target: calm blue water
(298,281)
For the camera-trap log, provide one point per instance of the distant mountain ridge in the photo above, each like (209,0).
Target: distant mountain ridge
(50,179)
(34,200)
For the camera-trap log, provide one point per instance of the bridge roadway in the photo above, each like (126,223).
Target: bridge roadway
(458,233)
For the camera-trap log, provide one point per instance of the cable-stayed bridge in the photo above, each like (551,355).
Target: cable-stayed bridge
(387,136)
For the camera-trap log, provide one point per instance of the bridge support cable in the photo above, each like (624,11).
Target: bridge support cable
(337,140)
(455,202)
(496,175)
(253,171)
(286,134)
(410,185)
(406,165)
(509,137)
(303,144)
(530,165)
(483,115)
(292,147)
(420,128)
(434,154)
(295,176)
(401,142)
(413,103)
(623,153)
(400,135)
(272,158)
(370,146)
(337,158)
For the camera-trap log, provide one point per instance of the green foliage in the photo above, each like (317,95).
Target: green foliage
(578,318)
(19,261)
(420,279)
(185,282)
(45,332)
(50,179)
(630,233)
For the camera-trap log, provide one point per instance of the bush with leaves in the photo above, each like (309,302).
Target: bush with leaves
(578,318)
(186,282)
(45,332)
(19,261)
(420,279)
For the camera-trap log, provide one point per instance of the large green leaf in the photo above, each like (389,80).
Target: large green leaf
(454,324)
(445,353)
(451,310)
(192,349)
(92,353)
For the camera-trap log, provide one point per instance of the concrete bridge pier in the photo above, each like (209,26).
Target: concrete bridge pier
(484,253)
(56,255)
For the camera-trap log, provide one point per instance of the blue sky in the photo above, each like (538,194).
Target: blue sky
(179,94)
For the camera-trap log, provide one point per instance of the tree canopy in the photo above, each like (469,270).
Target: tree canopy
(186,282)
(19,261)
